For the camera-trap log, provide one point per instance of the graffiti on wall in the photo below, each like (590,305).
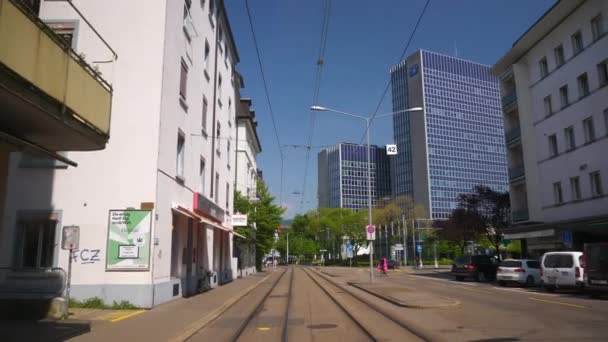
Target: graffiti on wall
(86,256)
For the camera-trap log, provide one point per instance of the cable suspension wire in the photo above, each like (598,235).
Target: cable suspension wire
(316,90)
(388,84)
(274,124)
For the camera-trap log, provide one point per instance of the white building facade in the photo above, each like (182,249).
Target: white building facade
(154,208)
(554,89)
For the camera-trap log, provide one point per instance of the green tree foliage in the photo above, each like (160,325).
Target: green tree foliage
(267,217)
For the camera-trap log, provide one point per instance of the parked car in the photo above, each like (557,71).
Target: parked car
(596,267)
(479,267)
(392,265)
(520,271)
(562,270)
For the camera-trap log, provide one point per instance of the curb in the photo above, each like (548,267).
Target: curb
(193,328)
(402,304)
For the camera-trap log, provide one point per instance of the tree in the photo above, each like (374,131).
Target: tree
(493,208)
(267,217)
(462,226)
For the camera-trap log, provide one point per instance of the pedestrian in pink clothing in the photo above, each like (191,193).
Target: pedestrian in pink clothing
(383,265)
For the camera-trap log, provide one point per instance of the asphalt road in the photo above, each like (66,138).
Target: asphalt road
(514,313)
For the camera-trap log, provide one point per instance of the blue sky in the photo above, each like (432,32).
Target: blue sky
(365,39)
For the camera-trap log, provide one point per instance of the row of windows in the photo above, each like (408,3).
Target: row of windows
(446,152)
(438,93)
(467,135)
(467,125)
(483,117)
(589,132)
(595,186)
(457,66)
(463,80)
(597,31)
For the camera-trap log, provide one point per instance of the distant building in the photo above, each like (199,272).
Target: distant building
(554,90)
(457,141)
(342,176)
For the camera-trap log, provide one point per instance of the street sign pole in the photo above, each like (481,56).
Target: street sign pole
(370,230)
(404,241)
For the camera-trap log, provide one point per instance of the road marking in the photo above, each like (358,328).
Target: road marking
(120,318)
(263,328)
(556,302)
(443,280)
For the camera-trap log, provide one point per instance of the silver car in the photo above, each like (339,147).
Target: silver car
(521,271)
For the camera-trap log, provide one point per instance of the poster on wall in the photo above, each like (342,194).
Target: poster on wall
(129,233)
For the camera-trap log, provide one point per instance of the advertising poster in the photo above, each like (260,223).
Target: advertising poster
(129,240)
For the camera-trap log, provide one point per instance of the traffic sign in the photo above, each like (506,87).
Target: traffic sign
(419,248)
(567,238)
(398,247)
(371,232)
(349,251)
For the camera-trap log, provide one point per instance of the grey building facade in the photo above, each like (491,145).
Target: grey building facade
(457,141)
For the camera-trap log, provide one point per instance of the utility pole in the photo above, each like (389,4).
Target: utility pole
(404,240)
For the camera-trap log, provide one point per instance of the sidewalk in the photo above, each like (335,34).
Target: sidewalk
(163,323)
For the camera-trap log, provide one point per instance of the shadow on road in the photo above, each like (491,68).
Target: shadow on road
(42,330)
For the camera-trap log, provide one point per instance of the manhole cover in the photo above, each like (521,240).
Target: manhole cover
(323,326)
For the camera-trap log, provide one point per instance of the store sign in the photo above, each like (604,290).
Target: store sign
(207,208)
(239,220)
(129,235)
(413,70)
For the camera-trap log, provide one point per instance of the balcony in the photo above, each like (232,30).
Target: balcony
(509,101)
(520,215)
(513,136)
(516,173)
(50,96)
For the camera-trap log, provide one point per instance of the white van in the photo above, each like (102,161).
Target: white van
(562,270)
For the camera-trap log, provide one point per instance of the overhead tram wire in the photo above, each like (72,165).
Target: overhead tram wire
(407,45)
(316,89)
(274,124)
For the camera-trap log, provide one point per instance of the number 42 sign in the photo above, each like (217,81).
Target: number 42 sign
(391,150)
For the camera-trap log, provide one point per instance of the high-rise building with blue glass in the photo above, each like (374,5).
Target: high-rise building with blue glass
(342,176)
(457,141)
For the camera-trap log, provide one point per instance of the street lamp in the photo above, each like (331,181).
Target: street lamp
(369,171)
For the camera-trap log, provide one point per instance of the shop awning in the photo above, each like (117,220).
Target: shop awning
(202,219)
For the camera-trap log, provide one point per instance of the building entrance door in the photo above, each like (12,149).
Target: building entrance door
(37,243)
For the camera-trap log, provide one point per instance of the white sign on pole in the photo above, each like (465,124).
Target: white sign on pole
(391,150)
(398,247)
(239,220)
(70,238)
(371,232)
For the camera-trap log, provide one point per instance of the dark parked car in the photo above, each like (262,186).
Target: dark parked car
(392,264)
(595,263)
(479,267)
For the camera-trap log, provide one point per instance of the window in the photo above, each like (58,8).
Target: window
(204,117)
(558,261)
(563,95)
(597,28)
(201,174)
(211,7)
(183,81)
(569,134)
(217,137)
(583,85)
(557,193)
(217,188)
(559,55)
(602,70)
(187,5)
(219,87)
(606,120)
(575,186)
(206,61)
(228,151)
(589,130)
(577,42)
(533,264)
(37,241)
(228,197)
(181,142)
(552,145)
(548,106)
(596,183)
(65,30)
(544,69)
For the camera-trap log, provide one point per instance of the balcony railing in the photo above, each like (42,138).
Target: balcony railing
(520,215)
(509,101)
(517,172)
(30,49)
(513,135)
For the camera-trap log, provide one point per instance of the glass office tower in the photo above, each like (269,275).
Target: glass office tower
(457,142)
(342,176)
